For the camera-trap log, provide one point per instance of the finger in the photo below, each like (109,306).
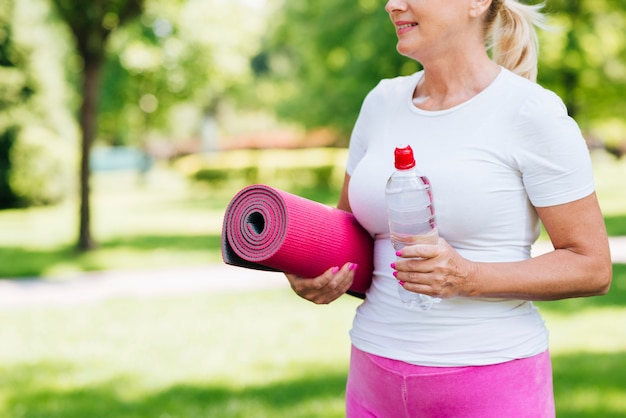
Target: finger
(344,278)
(418,251)
(412,265)
(411,277)
(345,274)
(420,288)
(325,288)
(338,285)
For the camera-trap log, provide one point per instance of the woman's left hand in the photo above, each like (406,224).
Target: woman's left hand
(434,270)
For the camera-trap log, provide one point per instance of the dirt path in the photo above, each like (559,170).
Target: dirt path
(97,286)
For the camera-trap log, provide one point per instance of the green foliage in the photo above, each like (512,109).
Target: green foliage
(320,61)
(92,25)
(582,59)
(308,170)
(26,173)
(214,177)
(15,86)
(13,92)
(41,168)
(173,68)
(148,72)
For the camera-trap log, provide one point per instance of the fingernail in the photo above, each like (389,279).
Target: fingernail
(353,266)
(399,253)
(395,274)
(393,265)
(401,283)
(335,270)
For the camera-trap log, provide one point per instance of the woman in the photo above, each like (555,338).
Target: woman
(502,155)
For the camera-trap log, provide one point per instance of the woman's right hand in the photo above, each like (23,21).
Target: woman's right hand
(325,288)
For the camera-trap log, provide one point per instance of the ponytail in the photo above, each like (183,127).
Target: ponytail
(511,35)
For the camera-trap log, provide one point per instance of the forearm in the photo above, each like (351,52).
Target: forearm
(556,275)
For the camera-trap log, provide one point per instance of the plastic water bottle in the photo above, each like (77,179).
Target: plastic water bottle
(411,215)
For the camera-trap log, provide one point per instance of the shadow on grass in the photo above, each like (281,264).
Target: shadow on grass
(29,263)
(615,298)
(587,385)
(30,392)
(590,385)
(153,242)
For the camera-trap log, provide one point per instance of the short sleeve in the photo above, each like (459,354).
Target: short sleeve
(362,127)
(553,157)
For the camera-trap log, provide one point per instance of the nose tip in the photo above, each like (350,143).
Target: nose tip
(393,5)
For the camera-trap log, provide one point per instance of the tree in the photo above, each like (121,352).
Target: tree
(181,61)
(321,60)
(582,59)
(151,69)
(15,91)
(91,24)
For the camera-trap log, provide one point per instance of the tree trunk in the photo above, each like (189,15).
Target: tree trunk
(570,76)
(88,117)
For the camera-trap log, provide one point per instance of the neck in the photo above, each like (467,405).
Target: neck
(450,83)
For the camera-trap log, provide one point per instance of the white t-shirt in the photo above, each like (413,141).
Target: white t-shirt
(490,161)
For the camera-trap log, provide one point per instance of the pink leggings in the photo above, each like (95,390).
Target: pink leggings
(384,388)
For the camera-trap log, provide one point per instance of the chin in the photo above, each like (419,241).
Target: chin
(406,53)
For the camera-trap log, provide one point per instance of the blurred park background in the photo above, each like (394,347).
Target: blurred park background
(127,126)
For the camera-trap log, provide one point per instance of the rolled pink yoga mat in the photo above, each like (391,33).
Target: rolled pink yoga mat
(269,229)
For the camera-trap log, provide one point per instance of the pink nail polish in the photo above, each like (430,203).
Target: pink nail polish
(353,266)
(401,283)
(335,270)
(395,274)
(399,253)
(393,265)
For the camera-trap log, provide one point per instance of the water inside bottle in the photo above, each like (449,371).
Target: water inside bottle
(426,235)
(411,299)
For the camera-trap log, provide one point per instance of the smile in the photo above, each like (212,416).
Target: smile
(406,26)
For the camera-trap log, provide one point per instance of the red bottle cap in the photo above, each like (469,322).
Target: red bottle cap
(404,157)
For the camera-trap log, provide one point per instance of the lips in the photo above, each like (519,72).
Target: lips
(404,26)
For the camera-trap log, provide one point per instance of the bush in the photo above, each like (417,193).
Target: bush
(319,168)
(41,168)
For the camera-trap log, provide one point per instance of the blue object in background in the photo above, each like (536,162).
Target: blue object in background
(118,159)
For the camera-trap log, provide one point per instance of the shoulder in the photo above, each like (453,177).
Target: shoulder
(531,99)
(395,87)
(389,95)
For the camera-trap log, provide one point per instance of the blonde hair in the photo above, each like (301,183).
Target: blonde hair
(511,36)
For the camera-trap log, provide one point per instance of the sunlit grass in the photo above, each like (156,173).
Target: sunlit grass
(257,354)
(250,354)
(159,222)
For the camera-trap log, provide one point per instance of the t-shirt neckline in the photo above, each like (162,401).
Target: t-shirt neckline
(454,108)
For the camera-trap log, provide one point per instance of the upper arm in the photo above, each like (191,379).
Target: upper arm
(579,227)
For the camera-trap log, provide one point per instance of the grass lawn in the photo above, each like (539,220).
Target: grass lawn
(256,354)
(160,222)
(252,354)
